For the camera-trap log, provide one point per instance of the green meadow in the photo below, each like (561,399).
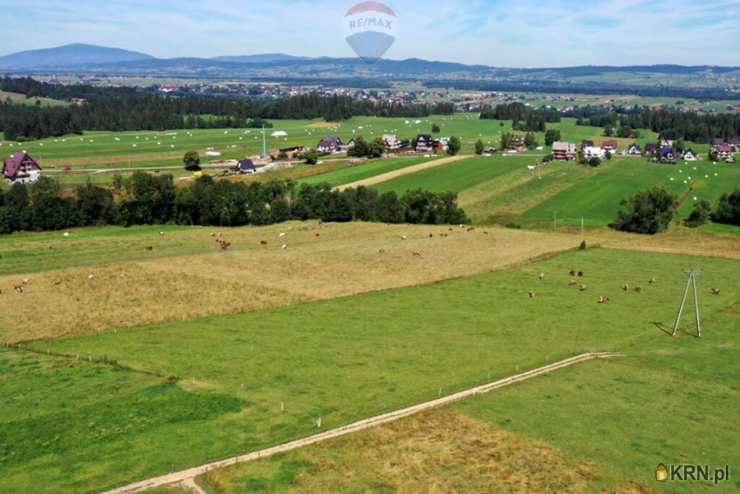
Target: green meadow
(118,406)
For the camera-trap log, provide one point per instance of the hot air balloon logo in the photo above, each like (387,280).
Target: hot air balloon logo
(371,29)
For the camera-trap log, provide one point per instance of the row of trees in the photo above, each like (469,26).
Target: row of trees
(524,118)
(142,111)
(652,211)
(671,124)
(150,199)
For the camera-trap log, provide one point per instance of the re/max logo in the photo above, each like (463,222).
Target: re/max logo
(694,473)
(366,22)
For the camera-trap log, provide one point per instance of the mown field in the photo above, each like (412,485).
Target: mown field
(176,394)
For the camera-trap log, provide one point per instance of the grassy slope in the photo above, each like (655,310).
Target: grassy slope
(457,176)
(353,173)
(393,348)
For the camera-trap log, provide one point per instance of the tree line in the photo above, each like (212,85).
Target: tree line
(145,199)
(524,118)
(652,211)
(671,124)
(141,111)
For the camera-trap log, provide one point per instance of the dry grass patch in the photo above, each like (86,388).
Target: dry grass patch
(437,452)
(385,177)
(318,262)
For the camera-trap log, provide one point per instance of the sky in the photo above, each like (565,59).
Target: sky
(501,33)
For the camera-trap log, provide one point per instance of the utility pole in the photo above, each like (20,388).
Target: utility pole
(691,282)
(264,143)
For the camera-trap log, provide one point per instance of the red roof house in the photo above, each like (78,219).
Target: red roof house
(21,168)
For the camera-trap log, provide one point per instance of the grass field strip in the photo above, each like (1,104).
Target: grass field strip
(185,476)
(404,171)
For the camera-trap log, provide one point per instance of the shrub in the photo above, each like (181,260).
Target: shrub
(648,212)
(728,209)
(699,215)
(436,129)
(191,160)
(454,146)
(479,147)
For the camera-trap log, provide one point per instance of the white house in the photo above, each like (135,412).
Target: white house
(590,152)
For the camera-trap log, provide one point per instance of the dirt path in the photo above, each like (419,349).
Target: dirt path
(183,477)
(403,171)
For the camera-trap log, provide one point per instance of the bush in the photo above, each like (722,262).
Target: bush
(191,160)
(436,129)
(728,209)
(479,147)
(454,146)
(551,136)
(594,162)
(700,214)
(648,212)
(311,157)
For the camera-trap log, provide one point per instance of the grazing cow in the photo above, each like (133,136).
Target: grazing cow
(485,233)
(282,235)
(572,272)
(542,276)
(284,247)
(224,244)
(19,288)
(580,274)
(573,282)
(653,281)
(715,291)
(532,295)
(603,299)
(431,235)
(471,229)
(213,234)
(26,281)
(381,251)
(638,288)
(417,254)
(583,288)
(318,235)
(626,287)
(404,237)
(149,248)
(263,242)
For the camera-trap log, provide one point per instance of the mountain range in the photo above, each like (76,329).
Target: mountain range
(91,59)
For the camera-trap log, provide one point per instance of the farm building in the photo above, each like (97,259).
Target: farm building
(289,153)
(21,168)
(563,151)
(651,149)
(690,155)
(634,150)
(587,144)
(246,166)
(734,143)
(330,145)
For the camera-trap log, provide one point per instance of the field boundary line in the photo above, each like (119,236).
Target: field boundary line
(189,474)
(385,177)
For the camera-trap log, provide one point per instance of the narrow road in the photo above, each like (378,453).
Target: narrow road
(403,171)
(185,476)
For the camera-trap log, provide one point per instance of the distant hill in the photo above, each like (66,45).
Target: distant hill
(261,58)
(73,55)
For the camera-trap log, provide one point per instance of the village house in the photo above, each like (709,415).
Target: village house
(651,149)
(292,152)
(724,152)
(667,154)
(591,152)
(610,146)
(690,155)
(245,166)
(563,151)
(634,150)
(424,143)
(391,141)
(21,168)
(587,144)
(517,144)
(330,145)
(734,144)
